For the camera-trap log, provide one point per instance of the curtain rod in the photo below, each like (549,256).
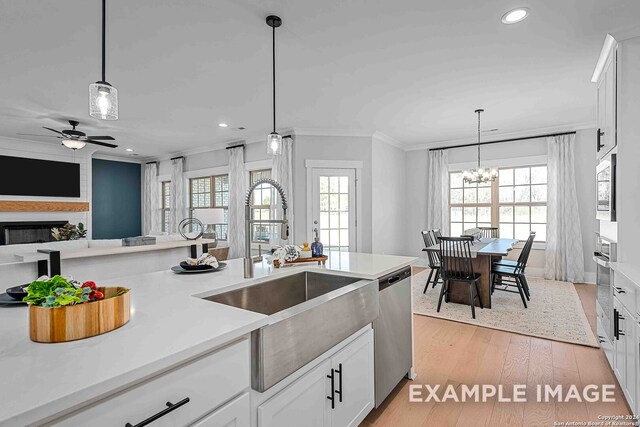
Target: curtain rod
(176,158)
(150,163)
(503,140)
(242,145)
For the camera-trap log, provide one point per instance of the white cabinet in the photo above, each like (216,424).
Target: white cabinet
(637,367)
(234,414)
(626,351)
(606,138)
(339,392)
(353,373)
(303,400)
(200,386)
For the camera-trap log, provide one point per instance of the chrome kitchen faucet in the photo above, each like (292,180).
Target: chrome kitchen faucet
(284,227)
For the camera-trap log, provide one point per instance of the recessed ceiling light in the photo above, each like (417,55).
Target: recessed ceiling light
(515,15)
(223,125)
(128,149)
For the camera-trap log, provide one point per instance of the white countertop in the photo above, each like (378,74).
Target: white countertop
(630,271)
(168,326)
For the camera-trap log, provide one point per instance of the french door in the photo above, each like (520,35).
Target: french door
(334,208)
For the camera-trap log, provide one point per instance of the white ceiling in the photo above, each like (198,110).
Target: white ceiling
(412,69)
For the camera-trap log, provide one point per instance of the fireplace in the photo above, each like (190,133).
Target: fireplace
(13,233)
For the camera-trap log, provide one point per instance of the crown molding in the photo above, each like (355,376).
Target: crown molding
(112,158)
(388,140)
(333,132)
(516,134)
(608,45)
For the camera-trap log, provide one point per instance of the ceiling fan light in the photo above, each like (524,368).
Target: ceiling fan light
(74,144)
(274,144)
(103,101)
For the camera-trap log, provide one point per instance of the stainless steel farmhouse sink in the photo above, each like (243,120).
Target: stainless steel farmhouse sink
(309,313)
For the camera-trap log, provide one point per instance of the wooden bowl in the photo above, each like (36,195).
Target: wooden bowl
(75,322)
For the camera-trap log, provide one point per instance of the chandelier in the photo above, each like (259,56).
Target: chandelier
(479,175)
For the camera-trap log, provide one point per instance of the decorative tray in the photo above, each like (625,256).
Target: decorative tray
(320,260)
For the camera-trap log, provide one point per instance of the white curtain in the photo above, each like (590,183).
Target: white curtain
(438,191)
(177,202)
(282,172)
(237,192)
(151,207)
(564,257)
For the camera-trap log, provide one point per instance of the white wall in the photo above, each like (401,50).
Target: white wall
(313,147)
(388,208)
(585,163)
(415,202)
(56,152)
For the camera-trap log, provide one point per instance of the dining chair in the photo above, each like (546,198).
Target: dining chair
(434,258)
(511,263)
(515,273)
(489,232)
(456,266)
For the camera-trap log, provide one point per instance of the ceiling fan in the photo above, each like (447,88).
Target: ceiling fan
(75,139)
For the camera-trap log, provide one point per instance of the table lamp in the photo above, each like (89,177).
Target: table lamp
(209,217)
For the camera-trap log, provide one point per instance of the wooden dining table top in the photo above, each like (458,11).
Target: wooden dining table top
(487,246)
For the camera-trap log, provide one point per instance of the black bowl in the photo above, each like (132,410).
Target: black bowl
(17,292)
(186,266)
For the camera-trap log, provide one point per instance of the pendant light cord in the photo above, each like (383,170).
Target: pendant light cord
(479,139)
(273,51)
(104,25)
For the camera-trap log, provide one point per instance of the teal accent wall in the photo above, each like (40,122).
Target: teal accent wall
(116,207)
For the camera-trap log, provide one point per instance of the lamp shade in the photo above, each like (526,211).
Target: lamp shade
(103,101)
(210,215)
(74,144)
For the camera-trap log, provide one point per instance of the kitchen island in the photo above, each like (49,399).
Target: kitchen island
(171,326)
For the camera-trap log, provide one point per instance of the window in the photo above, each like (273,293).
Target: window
(516,203)
(469,204)
(523,202)
(261,205)
(211,192)
(166,192)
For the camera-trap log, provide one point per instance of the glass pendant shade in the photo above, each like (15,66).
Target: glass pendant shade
(103,101)
(74,144)
(274,144)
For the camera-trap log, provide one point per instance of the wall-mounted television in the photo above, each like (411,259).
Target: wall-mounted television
(20,176)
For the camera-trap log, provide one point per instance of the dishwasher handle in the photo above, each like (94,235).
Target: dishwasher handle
(393,278)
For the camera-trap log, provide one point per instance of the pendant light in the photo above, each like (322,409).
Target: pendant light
(274,140)
(479,175)
(103,98)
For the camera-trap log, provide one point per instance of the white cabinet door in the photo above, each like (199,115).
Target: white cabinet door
(629,328)
(207,382)
(607,106)
(637,367)
(302,403)
(234,414)
(619,343)
(353,382)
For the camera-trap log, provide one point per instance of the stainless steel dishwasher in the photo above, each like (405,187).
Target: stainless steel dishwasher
(392,333)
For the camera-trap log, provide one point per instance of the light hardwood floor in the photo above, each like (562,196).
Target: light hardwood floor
(448,352)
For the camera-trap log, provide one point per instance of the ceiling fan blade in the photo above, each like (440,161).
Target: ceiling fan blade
(53,130)
(104,144)
(104,138)
(33,134)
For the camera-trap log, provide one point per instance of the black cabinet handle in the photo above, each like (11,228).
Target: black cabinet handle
(599,135)
(332,398)
(170,407)
(620,290)
(339,392)
(615,324)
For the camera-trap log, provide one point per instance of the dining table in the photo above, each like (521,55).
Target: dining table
(484,252)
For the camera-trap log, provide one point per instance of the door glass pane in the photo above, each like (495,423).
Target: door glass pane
(470,195)
(456,228)
(334,212)
(484,195)
(456,196)
(506,194)
(456,214)
(506,231)
(484,214)
(506,214)
(506,177)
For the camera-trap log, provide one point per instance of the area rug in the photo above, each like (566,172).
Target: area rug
(554,312)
